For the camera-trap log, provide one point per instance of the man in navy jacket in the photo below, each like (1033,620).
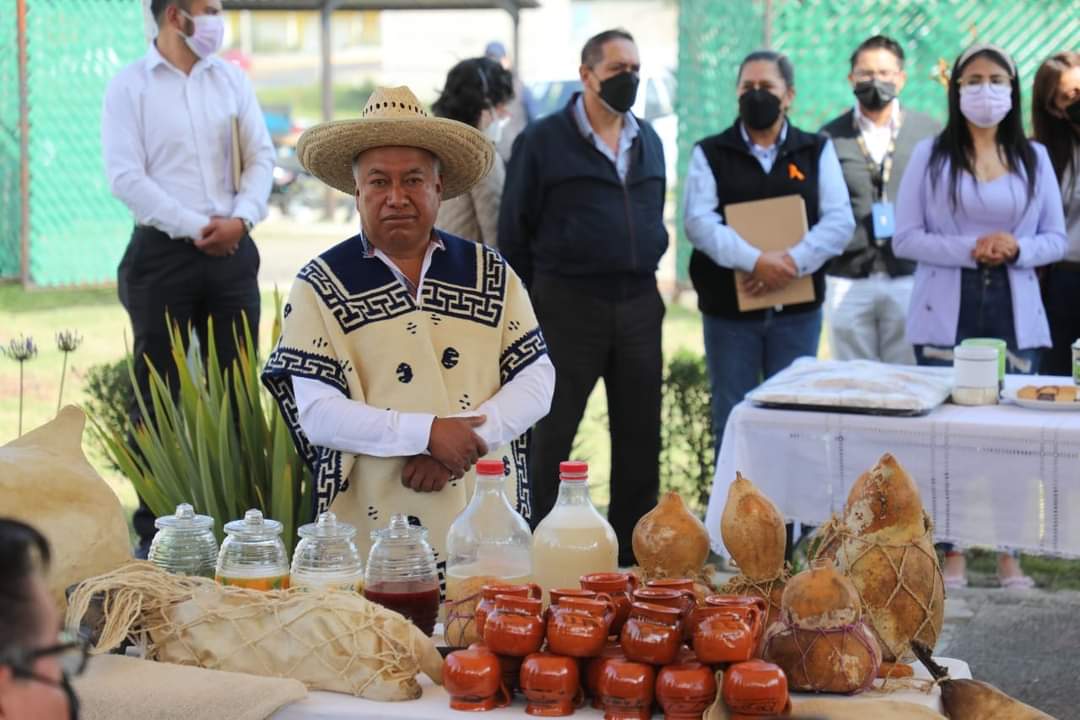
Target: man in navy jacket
(582,223)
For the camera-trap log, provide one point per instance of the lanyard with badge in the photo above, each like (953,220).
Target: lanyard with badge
(882,212)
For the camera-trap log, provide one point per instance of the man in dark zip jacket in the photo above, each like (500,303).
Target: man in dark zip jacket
(582,223)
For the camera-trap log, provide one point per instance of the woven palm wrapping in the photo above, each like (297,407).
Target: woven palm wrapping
(328,640)
(900,585)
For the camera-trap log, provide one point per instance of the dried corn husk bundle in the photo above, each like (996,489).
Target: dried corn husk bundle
(884,543)
(328,640)
(820,641)
(754,535)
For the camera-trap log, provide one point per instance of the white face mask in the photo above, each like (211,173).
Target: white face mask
(209,34)
(985,105)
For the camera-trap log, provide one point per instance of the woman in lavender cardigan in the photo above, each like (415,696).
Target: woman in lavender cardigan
(979,209)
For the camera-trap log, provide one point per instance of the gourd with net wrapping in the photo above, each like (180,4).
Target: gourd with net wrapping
(754,535)
(326,639)
(884,543)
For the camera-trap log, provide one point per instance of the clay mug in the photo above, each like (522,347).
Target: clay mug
(551,684)
(685,691)
(668,598)
(756,687)
(578,627)
(722,636)
(651,634)
(487,599)
(752,610)
(626,690)
(618,587)
(683,585)
(515,627)
(594,666)
(473,680)
(557,594)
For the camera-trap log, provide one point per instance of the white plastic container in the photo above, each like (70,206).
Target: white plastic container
(976,375)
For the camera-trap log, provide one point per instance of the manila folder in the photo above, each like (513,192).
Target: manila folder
(777,223)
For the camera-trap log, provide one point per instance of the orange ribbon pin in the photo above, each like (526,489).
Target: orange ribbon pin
(794,173)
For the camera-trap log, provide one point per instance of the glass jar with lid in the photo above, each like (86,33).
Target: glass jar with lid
(253,555)
(401,573)
(326,556)
(184,543)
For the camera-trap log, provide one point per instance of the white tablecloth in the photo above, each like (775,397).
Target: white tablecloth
(435,704)
(997,475)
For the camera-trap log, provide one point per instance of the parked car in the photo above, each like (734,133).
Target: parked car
(655,102)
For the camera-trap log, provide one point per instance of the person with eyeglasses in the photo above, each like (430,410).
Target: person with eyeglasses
(1055,119)
(979,210)
(477,92)
(186,149)
(36,665)
(868,289)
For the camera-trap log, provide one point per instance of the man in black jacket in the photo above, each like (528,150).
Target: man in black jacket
(582,223)
(869,288)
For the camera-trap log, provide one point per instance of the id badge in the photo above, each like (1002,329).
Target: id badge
(884,221)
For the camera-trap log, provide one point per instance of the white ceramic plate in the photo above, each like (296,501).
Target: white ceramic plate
(1010,395)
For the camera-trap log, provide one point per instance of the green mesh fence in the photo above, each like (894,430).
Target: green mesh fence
(819,35)
(77,229)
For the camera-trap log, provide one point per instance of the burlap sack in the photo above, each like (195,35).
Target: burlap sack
(328,640)
(46,481)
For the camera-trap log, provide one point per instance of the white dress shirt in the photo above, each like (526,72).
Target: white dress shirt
(877,137)
(167,144)
(329,419)
(707,232)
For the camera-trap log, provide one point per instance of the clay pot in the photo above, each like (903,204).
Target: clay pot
(752,609)
(593,668)
(756,687)
(515,627)
(473,680)
(685,691)
(722,636)
(551,684)
(651,634)
(618,587)
(579,628)
(626,690)
(487,600)
(557,594)
(682,584)
(681,600)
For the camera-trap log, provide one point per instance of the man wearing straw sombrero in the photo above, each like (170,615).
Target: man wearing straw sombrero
(406,353)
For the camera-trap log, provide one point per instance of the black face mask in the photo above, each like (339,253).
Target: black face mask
(874,94)
(759,108)
(72,698)
(1073,112)
(620,91)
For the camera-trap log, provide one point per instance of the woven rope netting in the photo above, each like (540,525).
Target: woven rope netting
(329,640)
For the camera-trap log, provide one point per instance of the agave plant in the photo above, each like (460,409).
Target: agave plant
(222,445)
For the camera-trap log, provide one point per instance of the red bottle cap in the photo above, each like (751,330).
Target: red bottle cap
(573,471)
(490,467)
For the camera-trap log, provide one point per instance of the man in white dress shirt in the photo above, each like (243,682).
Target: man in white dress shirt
(167,139)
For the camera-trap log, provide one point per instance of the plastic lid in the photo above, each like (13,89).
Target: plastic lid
(490,467)
(327,526)
(184,519)
(254,526)
(399,529)
(574,471)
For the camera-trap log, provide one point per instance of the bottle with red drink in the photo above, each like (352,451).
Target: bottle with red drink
(401,573)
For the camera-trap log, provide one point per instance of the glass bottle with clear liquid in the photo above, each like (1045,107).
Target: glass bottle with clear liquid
(488,543)
(327,557)
(574,539)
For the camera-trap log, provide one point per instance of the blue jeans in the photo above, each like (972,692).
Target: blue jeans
(986,310)
(741,353)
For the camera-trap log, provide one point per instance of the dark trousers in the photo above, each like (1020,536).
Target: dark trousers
(617,340)
(161,276)
(1061,296)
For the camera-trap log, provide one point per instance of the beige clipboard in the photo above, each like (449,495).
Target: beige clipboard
(777,223)
(236,156)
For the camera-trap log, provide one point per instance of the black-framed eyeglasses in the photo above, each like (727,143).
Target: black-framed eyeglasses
(73,654)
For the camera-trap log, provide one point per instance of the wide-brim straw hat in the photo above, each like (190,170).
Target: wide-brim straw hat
(394,117)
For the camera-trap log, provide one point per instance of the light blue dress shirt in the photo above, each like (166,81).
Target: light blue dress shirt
(630,129)
(707,232)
